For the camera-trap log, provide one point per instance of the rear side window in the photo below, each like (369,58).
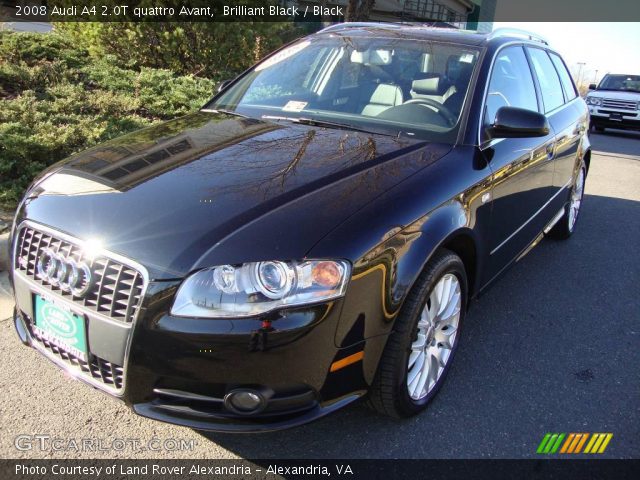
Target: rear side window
(550,87)
(511,84)
(565,78)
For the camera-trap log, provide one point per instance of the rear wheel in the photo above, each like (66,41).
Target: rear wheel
(567,224)
(426,334)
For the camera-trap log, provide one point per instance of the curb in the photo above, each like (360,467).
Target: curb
(4,252)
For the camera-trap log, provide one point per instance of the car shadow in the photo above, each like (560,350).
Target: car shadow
(534,356)
(616,142)
(619,133)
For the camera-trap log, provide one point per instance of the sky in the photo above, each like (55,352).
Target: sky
(608,47)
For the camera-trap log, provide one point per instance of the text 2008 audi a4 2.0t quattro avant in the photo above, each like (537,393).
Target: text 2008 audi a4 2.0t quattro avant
(311,236)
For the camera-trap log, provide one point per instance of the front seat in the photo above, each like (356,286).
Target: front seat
(441,89)
(454,101)
(433,88)
(383,97)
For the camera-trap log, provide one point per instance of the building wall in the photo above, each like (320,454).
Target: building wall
(457,13)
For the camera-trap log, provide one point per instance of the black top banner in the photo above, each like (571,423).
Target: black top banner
(438,11)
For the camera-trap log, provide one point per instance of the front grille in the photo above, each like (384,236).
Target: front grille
(97,368)
(620,104)
(116,290)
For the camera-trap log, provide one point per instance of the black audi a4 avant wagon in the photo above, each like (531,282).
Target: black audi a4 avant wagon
(313,235)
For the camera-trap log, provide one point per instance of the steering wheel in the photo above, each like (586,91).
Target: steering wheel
(441,109)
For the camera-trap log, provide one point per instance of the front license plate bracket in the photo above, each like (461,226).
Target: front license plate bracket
(58,325)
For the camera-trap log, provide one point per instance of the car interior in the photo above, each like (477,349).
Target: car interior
(406,85)
(389,86)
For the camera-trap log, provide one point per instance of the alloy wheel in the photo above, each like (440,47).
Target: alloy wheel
(437,331)
(576,199)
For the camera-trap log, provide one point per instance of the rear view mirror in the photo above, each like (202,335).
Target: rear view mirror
(513,122)
(592,86)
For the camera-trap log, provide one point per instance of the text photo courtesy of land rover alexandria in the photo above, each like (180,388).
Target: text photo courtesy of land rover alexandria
(312,236)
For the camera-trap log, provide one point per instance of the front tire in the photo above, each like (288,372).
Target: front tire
(567,224)
(421,347)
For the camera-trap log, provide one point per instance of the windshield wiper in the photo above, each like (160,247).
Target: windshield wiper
(327,124)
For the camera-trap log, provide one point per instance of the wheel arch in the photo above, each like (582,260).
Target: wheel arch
(463,245)
(441,231)
(446,228)
(391,270)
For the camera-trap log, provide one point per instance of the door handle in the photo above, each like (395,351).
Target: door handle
(550,150)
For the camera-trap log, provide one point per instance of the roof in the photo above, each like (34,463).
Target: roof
(429,32)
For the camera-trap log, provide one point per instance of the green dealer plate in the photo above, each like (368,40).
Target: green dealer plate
(61,327)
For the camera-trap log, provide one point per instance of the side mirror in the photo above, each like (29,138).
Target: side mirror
(223,84)
(513,122)
(592,86)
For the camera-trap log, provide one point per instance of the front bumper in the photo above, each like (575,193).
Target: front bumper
(218,423)
(179,370)
(609,118)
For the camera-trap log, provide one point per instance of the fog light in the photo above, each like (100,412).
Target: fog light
(244,401)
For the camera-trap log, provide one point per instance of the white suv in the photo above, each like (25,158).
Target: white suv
(615,102)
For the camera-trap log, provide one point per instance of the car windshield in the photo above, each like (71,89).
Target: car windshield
(623,83)
(386,85)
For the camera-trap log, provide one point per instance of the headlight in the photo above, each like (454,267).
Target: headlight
(594,101)
(256,288)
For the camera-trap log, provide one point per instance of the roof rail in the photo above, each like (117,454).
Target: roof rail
(516,32)
(343,25)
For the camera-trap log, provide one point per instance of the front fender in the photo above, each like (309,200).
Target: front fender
(390,241)
(383,277)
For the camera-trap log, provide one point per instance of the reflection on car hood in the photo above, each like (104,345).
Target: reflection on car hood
(167,194)
(616,95)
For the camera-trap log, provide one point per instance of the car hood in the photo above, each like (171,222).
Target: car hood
(615,95)
(178,195)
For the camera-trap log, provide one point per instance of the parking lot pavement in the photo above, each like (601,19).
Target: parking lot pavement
(554,346)
(616,143)
(6,303)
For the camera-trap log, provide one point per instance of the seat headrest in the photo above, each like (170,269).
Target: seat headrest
(371,57)
(453,62)
(465,70)
(458,71)
(386,94)
(426,86)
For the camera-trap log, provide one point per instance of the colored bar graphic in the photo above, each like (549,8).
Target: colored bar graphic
(605,443)
(565,447)
(543,443)
(576,439)
(555,447)
(584,439)
(600,443)
(574,442)
(594,437)
(550,443)
(596,446)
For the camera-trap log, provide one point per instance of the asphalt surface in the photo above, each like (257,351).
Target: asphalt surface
(554,346)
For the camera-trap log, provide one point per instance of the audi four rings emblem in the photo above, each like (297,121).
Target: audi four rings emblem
(63,272)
